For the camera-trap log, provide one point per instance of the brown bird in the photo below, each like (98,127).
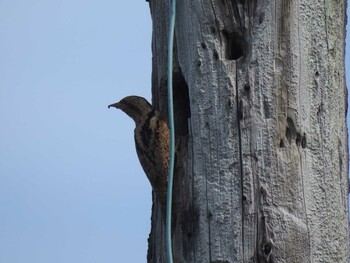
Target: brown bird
(151,141)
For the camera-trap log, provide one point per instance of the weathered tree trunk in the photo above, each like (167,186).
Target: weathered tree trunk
(261,137)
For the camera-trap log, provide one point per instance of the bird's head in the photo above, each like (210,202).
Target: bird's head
(135,107)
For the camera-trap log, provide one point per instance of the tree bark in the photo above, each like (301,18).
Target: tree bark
(261,137)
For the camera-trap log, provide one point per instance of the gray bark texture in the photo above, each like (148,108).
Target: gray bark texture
(261,136)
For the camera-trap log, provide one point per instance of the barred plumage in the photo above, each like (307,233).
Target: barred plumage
(151,141)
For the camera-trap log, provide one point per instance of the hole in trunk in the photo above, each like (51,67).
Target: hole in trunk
(234,45)
(181,104)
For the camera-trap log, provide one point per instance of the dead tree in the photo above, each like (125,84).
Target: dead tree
(261,137)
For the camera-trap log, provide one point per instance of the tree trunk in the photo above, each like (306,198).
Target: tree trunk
(261,137)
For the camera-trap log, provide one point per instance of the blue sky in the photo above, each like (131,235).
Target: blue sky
(71,187)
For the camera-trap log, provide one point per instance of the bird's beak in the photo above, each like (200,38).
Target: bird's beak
(115,105)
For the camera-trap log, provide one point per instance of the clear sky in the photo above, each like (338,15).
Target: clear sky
(71,187)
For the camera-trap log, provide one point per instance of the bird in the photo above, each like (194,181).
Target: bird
(152,138)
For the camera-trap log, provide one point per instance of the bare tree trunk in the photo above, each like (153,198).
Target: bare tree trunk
(261,137)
